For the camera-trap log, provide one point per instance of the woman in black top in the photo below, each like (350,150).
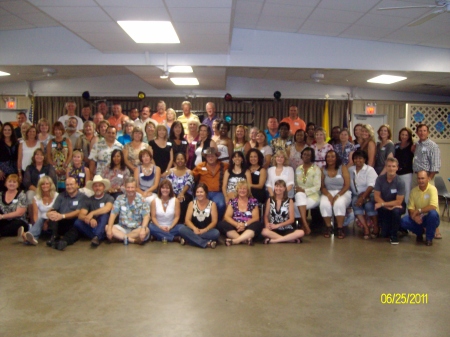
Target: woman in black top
(405,156)
(162,150)
(255,161)
(9,149)
(201,220)
(176,137)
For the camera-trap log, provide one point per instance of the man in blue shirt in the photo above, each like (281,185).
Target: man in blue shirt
(272,129)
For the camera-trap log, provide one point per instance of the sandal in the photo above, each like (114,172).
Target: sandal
(250,242)
(366,236)
(212,244)
(298,241)
(438,236)
(328,231)
(228,242)
(340,233)
(267,241)
(374,234)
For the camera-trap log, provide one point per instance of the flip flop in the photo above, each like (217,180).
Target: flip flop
(438,236)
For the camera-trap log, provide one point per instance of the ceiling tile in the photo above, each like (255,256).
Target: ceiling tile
(93,27)
(63,3)
(201,14)
(277,23)
(406,13)
(323,28)
(328,15)
(383,21)
(76,13)
(249,7)
(198,3)
(272,9)
(39,19)
(364,32)
(136,13)
(196,28)
(18,7)
(308,3)
(128,3)
(242,20)
(349,5)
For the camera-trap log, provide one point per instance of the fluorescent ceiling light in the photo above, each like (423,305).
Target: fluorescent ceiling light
(2,73)
(386,79)
(181,69)
(150,31)
(184,81)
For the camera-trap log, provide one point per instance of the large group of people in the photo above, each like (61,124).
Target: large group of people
(155,177)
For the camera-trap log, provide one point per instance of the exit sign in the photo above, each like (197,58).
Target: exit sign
(11,103)
(371,109)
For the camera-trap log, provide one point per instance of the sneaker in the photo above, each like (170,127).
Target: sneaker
(61,245)
(125,240)
(95,242)
(394,240)
(182,242)
(30,238)
(20,234)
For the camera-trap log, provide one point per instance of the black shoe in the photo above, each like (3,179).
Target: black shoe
(429,243)
(61,245)
(394,240)
(52,242)
(419,238)
(95,242)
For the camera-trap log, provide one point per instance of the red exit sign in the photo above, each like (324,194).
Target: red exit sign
(371,110)
(11,103)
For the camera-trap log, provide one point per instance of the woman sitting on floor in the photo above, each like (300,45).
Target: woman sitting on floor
(13,208)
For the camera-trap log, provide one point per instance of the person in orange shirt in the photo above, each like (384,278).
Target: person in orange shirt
(118,117)
(295,122)
(160,114)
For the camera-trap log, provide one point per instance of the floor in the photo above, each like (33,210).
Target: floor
(323,287)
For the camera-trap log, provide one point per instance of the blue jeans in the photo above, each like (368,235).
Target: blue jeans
(36,229)
(219,199)
(199,240)
(98,231)
(429,222)
(159,234)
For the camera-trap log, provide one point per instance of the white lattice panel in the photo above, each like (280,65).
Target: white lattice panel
(437,117)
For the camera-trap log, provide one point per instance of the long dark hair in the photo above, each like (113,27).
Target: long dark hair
(243,165)
(13,134)
(122,160)
(338,160)
(172,133)
(258,153)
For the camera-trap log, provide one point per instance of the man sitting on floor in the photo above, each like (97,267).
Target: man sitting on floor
(423,208)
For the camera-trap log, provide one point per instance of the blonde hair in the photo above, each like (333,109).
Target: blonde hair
(137,129)
(370,130)
(77,151)
(39,189)
(41,122)
(278,154)
(171,111)
(161,127)
(242,183)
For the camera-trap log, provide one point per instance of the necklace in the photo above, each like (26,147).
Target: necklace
(304,173)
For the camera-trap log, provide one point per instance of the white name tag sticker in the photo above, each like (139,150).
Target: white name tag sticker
(141,175)
(296,123)
(256,173)
(102,204)
(383,148)
(53,145)
(338,176)
(180,180)
(194,142)
(284,209)
(184,142)
(15,201)
(75,203)
(393,190)
(81,174)
(204,169)
(120,176)
(262,151)
(347,150)
(42,175)
(207,210)
(426,196)
(248,213)
(169,144)
(424,150)
(397,146)
(123,208)
(288,143)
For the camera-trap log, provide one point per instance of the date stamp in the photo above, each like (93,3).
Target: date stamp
(404,298)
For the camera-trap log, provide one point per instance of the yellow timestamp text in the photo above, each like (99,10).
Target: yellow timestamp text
(404,298)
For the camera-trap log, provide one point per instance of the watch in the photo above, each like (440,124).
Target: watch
(420,210)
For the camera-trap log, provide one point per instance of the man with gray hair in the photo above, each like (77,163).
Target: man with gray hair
(71,130)
(211,115)
(71,106)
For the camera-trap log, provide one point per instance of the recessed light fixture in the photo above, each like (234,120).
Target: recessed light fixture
(181,69)
(2,73)
(184,80)
(150,31)
(386,79)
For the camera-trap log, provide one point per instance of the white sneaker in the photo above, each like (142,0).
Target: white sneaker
(20,234)
(31,239)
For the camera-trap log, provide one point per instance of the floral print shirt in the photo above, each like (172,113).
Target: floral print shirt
(178,183)
(344,151)
(321,154)
(19,201)
(116,177)
(242,216)
(101,153)
(130,215)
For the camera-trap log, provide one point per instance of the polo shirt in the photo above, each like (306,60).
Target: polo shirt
(421,199)
(294,124)
(64,203)
(389,191)
(184,121)
(92,203)
(160,119)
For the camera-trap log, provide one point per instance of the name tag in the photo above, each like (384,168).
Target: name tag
(288,143)
(357,145)
(394,190)
(262,151)
(256,173)
(169,144)
(207,210)
(204,169)
(397,146)
(296,123)
(284,209)
(184,142)
(123,208)
(347,150)
(194,142)
(338,176)
(81,174)
(75,203)
(426,196)
(119,126)
(42,175)
(141,174)
(382,149)
(120,176)
(53,145)
(102,204)
(424,150)
(248,213)
(15,201)
(180,180)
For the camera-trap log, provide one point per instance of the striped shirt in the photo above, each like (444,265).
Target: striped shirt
(427,157)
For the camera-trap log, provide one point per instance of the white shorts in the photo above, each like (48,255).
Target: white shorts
(129,230)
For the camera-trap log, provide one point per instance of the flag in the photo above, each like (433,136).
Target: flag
(347,113)
(326,120)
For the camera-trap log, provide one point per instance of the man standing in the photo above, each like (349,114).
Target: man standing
(145,117)
(211,174)
(70,106)
(94,213)
(272,129)
(100,155)
(21,118)
(71,130)
(423,209)
(294,121)
(310,130)
(335,133)
(389,198)
(63,215)
(103,109)
(427,156)
(186,106)
(118,117)
(134,216)
(134,114)
(86,113)
(98,117)
(211,115)
(160,114)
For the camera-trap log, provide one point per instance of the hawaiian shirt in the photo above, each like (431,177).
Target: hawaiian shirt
(178,183)
(101,153)
(130,215)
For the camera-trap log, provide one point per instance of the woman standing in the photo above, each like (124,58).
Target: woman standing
(150,132)
(101,130)
(132,149)
(43,128)
(405,156)
(357,134)
(258,174)
(59,153)
(295,151)
(9,148)
(182,182)
(224,143)
(336,196)
(385,148)
(284,141)
(117,173)
(176,137)
(42,203)
(148,176)
(165,210)
(215,126)
(204,142)
(80,172)
(128,128)
(241,221)
(308,180)
(26,149)
(237,171)
(162,150)
(344,148)
(13,208)
(368,143)
(192,139)
(201,220)
(86,141)
(279,218)
(264,148)
(320,147)
(240,140)
(280,171)
(171,117)
(252,142)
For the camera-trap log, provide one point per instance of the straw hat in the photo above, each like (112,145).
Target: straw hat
(98,179)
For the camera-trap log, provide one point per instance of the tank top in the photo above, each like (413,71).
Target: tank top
(165,218)
(27,154)
(278,216)
(201,219)
(224,155)
(145,182)
(198,150)
(79,174)
(43,209)
(258,193)
(334,183)
(233,179)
